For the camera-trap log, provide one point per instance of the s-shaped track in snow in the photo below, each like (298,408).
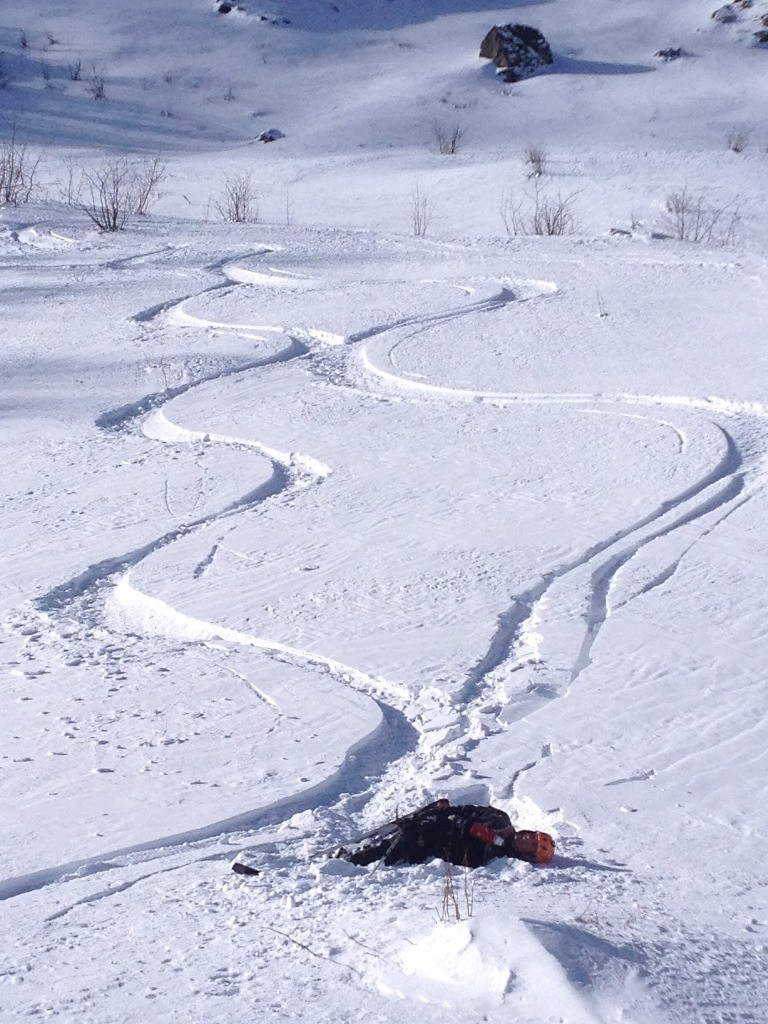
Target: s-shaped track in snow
(583,582)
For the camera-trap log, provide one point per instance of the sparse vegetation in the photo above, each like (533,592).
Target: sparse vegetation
(239,201)
(539,214)
(76,69)
(737,138)
(97,85)
(422,209)
(690,218)
(69,188)
(18,172)
(115,190)
(452,900)
(447,138)
(148,177)
(107,194)
(536,160)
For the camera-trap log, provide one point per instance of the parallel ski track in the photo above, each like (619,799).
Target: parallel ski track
(725,488)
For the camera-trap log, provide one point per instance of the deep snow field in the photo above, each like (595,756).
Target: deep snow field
(310,520)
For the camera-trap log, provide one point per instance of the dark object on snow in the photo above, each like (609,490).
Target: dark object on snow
(467,835)
(762,36)
(228,8)
(244,869)
(270,135)
(673,53)
(516,50)
(725,14)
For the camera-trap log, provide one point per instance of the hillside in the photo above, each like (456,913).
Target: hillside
(390,490)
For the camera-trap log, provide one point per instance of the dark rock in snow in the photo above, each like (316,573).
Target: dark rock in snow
(725,14)
(673,53)
(516,50)
(762,36)
(270,135)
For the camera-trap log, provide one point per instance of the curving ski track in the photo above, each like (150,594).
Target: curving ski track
(592,573)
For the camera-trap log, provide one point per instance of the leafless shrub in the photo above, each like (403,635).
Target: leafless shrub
(76,69)
(536,160)
(50,39)
(512,215)
(148,176)
(107,194)
(448,138)
(737,138)
(539,214)
(422,209)
(23,40)
(229,95)
(290,208)
(45,70)
(451,905)
(691,218)
(70,188)
(18,172)
(115,190)
(239,201)
(97,85)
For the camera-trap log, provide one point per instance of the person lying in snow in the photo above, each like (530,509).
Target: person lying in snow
(467,835)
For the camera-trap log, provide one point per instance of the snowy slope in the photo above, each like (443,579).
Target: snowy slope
(309,521)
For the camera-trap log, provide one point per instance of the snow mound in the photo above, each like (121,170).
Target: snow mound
(483,962)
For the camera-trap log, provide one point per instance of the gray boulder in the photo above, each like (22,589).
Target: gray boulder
(516,50)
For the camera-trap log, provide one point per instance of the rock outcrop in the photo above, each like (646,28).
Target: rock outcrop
(516,50)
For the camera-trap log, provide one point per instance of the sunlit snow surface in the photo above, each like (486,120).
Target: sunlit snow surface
(350,538)
(305,526)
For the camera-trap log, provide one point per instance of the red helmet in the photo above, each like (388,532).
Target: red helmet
(536,847)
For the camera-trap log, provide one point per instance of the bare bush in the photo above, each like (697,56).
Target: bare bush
(148,177)
(691,218)
(18,172)
(97,85)
(70,188)
(23,40)
(422,209)
(239,201)
(107,194)
(536,160)
(737,138)
(452,897)
(539,214)
(76,69)
(448,138)
(115,190)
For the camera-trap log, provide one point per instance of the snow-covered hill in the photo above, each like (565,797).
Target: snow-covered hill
(379,498)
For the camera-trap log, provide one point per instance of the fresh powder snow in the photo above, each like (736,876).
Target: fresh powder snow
(384,489)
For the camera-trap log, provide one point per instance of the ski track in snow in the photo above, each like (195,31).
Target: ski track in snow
(595,572)
(484,704)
